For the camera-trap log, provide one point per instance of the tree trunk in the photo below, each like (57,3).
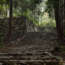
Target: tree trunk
(64,18)
(61,17)
(10,21)
(59,24)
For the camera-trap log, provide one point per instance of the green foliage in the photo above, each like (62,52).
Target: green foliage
(19,6)
(30,17)
(2,1)
(47,22)
(51,5)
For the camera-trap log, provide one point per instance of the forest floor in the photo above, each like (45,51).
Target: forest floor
(34,43)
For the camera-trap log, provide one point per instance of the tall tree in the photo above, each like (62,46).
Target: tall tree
(10,20)
(61,19)
(56,5)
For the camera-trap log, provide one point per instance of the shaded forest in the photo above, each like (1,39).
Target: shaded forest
(36,25)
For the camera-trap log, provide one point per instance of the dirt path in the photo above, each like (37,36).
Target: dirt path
(32,42)
(33,46)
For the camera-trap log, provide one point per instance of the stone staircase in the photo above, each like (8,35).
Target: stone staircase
(34,49)
(28,58)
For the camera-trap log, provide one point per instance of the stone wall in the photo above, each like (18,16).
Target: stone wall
(18,27)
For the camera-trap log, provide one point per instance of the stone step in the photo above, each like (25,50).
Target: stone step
(20,57)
